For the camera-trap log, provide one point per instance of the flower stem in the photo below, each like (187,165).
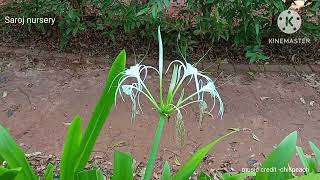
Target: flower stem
(154,149)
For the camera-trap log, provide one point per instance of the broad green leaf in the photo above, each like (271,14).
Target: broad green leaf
(307,177)
(122,166)
(203,176)
(239,176)
(9,174)
(166,172)
(94,174)
(48,174)
(71,150)
(308,163)
(278,159)
(102,110)
(191,165)
(13,154)
(316,152)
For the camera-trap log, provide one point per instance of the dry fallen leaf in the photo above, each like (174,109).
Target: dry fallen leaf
(66,123)
(255,137)
(177,162)
(264,98)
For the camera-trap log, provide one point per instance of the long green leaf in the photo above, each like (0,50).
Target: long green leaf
(308,163)
(13,154)
(239,176)
(48,174)
(308,177)
(94,174)
(71,150)
(190,166)
(203,176)
(316,152)
(122,166)
(9,174)
(166,172)
(279,159)
(102,110)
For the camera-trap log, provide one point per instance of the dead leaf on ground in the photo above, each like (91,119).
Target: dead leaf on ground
(176,161)
(255,137)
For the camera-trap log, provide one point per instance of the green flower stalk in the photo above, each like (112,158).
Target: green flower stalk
(183,72)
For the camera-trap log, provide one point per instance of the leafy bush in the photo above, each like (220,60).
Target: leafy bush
(245,22)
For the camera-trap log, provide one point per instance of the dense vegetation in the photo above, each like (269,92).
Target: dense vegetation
(246,23)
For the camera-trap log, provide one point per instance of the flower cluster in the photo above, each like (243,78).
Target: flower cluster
(182,73)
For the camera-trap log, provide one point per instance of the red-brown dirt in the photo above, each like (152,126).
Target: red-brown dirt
(38,102)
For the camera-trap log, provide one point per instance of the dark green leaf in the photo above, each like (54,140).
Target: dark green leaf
(71,150)
(166,173)
(48,174)
(102,110)
(203,176)
(94,174)
(14,156)
(8,174)
(122,166)
(279,159)
(191,165)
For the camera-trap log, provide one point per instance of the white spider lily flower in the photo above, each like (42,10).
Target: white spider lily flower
(211,89)
(181,72)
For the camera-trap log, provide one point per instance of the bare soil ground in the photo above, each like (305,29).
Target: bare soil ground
(38,102)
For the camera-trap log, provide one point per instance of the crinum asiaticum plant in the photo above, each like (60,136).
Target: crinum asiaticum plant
(183,72)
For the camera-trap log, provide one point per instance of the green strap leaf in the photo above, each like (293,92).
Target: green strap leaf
(307,177)
(9,174)
(203,176)
(166,172)
(239,176)
(71,150)
(316,152)
(102,110)
(122,166)
(13,154)
(94,174)
(279,159)
(308,163)
(190,166)
(48,174)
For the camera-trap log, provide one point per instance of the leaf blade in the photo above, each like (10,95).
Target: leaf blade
(14,155)
(102,110)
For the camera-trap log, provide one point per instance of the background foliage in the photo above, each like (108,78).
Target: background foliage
(246,23)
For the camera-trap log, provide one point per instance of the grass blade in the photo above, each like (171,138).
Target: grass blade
(239,176)
(13,154)
(122,166)
(203,176)
(190,166)
(94,174)
(309,164)
(166,172)
(307,177)
(71,150)
(48,174)
(9,174)
(279,158)
(102,110)
(316,152)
